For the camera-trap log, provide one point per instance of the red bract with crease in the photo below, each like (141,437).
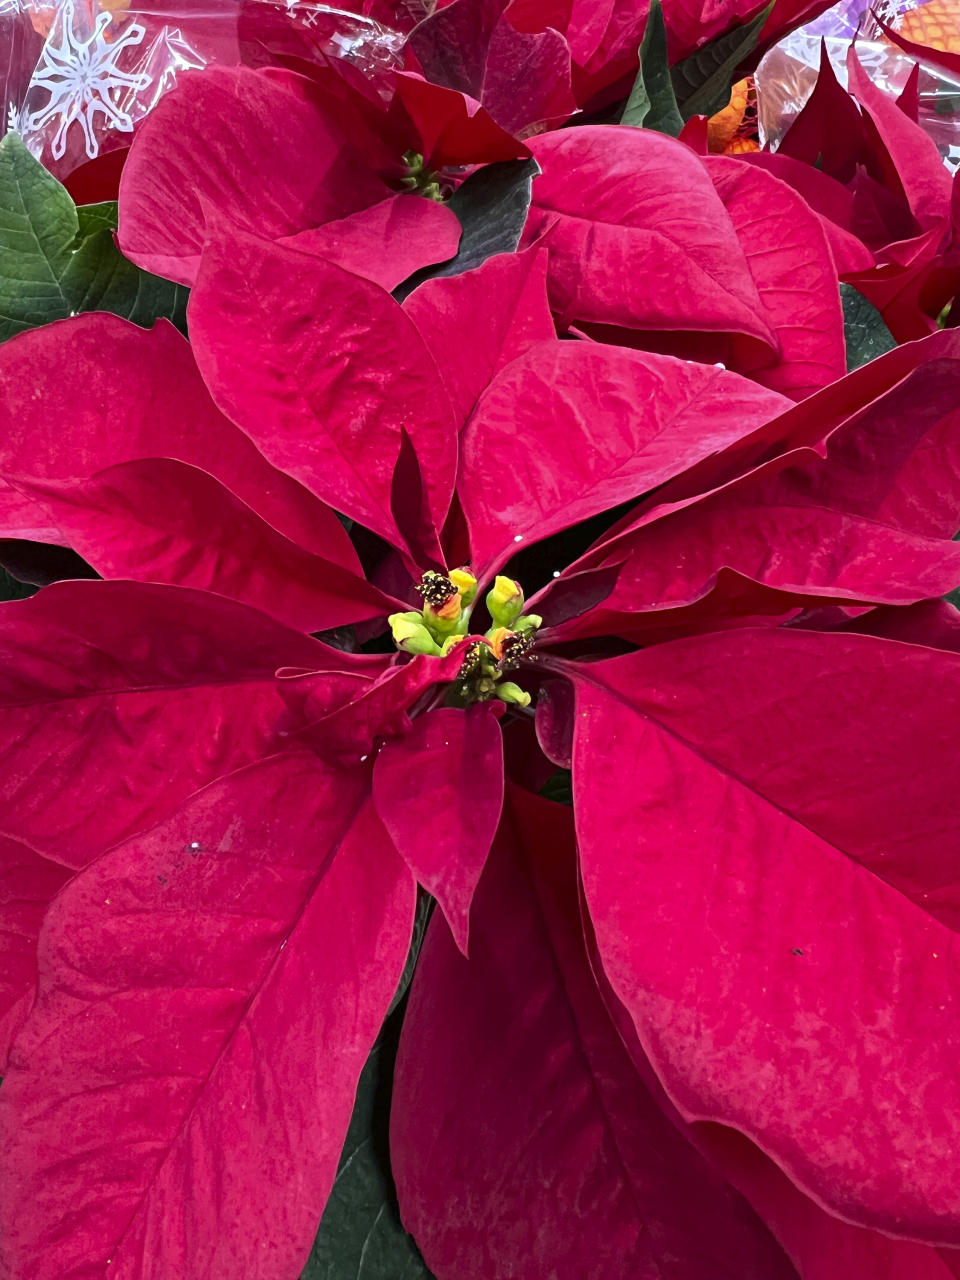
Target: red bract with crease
(655,246)
(215,820)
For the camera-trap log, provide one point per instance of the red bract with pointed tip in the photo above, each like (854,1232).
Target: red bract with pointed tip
(214,820)
(880,188)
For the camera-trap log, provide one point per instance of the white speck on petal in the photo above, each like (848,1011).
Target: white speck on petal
(518,537)
(556,573)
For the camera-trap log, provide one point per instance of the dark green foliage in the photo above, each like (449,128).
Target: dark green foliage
(864,331)
(702,81)
(652,102)
(57,260)
(492,206)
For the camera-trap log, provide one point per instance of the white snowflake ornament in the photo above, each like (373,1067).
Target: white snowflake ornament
(83,80)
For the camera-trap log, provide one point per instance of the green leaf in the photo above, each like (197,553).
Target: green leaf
(652,102)
(97,217)
(558,787)
(12,589)
(864,330)
(99,278)
(360,1236)
(638,104)
(57,260)
(492,206)
(703,81)
(38,226)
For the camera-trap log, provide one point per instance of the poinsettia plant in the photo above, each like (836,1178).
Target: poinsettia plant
(477,790)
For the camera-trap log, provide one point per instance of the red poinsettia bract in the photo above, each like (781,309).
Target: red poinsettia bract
(355,202)
(700,256)
(221,819)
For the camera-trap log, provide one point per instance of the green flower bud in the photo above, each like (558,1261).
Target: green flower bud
(505,601)
(529,623)
(420,179)
(509,692)
(410,634)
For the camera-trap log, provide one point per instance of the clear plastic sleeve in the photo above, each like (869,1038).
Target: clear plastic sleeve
(788,72)
(79,75)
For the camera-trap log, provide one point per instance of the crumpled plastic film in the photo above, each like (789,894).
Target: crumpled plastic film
(77,76)
(788,72)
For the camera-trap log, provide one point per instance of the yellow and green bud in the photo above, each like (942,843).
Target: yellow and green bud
(444,621)
(466,585)
(504,601)
(411,635)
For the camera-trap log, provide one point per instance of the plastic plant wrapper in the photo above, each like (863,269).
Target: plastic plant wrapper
(787,74)
(80,75)
(20,47)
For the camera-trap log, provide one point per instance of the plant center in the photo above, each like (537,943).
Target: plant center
(444,622)
(420,180)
